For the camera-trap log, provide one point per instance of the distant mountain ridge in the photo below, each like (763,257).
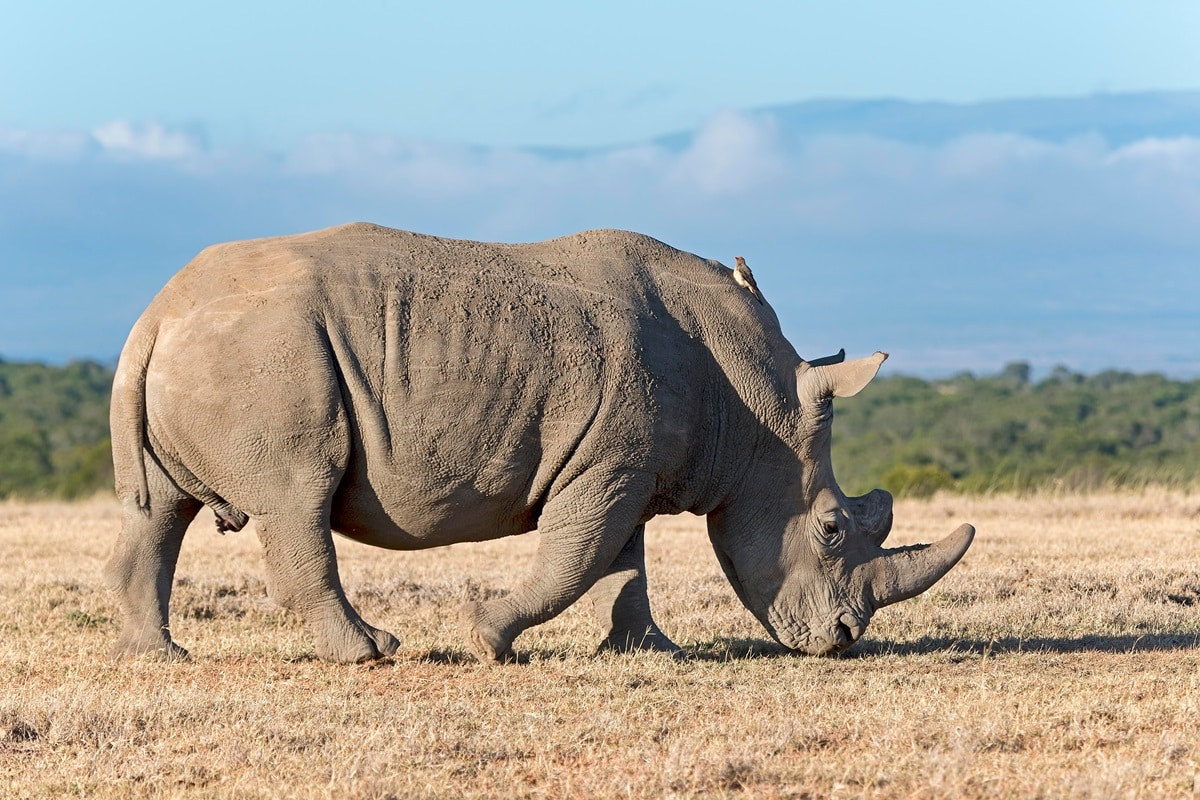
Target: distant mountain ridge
(1120,118)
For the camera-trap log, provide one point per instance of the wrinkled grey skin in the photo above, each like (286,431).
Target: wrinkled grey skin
(408,392)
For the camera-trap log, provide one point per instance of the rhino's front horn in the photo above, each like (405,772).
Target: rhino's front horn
(907,571)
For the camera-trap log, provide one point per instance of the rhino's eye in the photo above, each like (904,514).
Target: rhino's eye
(831,534)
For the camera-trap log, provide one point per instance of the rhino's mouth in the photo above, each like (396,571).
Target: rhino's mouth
(795,634)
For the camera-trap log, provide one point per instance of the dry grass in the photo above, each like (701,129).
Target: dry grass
(1060,659)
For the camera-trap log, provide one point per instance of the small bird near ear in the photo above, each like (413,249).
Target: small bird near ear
(745,278)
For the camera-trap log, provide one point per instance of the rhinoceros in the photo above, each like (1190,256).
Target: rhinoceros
(410,391)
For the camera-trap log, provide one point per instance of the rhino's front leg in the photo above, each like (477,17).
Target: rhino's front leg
(582,531)
(303,576)
(622,605)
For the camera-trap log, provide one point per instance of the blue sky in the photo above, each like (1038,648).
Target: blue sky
(956,237)
(553,73)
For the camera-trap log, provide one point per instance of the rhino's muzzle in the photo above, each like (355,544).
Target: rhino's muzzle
(833,634)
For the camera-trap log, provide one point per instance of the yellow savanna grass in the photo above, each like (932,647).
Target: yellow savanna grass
(1060,658)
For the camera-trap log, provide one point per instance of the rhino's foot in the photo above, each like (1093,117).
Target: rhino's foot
(488,644)
(648,640)
(156,645)
(354,642)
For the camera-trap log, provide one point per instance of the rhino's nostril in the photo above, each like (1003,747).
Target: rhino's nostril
(842,635)
(849,629)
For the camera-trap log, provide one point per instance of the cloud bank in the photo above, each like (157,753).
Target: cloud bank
(958,254)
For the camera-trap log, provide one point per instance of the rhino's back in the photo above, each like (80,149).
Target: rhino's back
(471,373)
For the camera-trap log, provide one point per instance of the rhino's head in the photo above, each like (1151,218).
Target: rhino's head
(807,560)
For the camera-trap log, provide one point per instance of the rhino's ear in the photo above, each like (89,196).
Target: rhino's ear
(836,358)
(837,379)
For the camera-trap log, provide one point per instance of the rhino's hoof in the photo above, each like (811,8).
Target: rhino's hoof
(487,643)
(158,648)
(362,643)
(651,640)
(386,643)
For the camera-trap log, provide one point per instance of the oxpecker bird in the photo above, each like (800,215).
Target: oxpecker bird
(745,278)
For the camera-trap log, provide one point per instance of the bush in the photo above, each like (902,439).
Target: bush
(916,481)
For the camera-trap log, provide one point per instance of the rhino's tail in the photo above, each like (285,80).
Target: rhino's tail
(127,416)
(129,424)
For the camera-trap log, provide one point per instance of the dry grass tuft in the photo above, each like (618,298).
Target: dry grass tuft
(1061,658)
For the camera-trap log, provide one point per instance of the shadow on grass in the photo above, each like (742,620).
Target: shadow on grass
(728,649)
(1086,643)
(440,656)
(741,649)
(447,656)
(735,650)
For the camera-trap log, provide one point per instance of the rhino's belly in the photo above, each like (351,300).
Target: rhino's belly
(462,465)
(430,488)
(383,522)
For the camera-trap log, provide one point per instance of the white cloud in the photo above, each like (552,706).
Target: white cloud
(730,154)
(739,172)
(1181,152)
(148,141)
(982,155)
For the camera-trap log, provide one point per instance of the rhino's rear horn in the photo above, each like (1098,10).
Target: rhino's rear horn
(873,514)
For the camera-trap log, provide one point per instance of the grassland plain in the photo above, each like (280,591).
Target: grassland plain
(1060,659)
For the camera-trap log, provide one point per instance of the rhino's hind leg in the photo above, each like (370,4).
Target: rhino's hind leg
(302,575)
(622,605)
(142,567)
(582,532)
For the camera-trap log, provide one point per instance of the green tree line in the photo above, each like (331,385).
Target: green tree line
(1005,432)
(908,435)
(54,429)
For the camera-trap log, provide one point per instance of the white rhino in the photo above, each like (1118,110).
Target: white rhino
(409,391)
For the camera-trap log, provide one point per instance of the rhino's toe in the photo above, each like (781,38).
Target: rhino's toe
(487,643)
(385,643)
